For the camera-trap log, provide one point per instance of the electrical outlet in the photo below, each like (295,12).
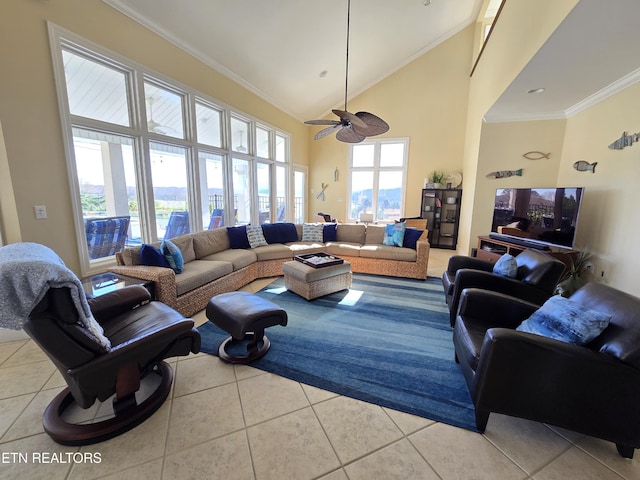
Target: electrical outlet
(40,211)
(589,268)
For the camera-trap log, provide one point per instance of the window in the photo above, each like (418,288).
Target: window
(377,179)
(170,160)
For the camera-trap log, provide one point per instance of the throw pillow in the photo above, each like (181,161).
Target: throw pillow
(411,236)
(238,237)
(173,255)
(506,266)
(279,232)
(563,319)
(394,234)
(152,256)
(255,236)
(330,232)
(312,232)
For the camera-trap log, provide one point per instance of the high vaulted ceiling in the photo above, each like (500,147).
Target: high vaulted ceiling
(278,49)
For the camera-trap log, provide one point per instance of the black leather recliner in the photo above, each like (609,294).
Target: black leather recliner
(592,389)
(142,334)
(538,274)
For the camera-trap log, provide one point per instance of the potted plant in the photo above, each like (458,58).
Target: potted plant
(437,178)
(573,277)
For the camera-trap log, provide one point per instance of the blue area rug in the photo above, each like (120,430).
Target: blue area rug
(386,341)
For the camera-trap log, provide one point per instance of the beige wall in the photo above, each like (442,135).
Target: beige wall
(425,101)
(29,110)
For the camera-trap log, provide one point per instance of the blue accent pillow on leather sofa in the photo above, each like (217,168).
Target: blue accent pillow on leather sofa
(152,256)
(506,266)
(238,237)
(280,232)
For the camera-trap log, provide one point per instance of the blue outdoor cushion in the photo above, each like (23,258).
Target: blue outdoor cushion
(394,234)
(152,256)
(280,232)
(330,232)
(411,236)
(506,266)
(238,237)
(565,320)
(173,255)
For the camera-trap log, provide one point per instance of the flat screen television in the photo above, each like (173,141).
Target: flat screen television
(539,216)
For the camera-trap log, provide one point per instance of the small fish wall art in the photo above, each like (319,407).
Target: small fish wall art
(535,155)
(626,140)
(505,173)
(584,166)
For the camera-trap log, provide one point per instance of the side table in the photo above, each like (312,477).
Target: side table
(102,283)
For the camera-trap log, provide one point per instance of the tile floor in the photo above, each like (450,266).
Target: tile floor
(237,422)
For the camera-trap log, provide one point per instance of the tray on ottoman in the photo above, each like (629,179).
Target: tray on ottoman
(319,260)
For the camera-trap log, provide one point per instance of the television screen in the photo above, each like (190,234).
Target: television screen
(545,215)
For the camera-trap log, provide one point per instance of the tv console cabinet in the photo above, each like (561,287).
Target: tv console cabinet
(492,249)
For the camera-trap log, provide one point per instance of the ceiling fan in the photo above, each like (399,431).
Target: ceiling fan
(352,127)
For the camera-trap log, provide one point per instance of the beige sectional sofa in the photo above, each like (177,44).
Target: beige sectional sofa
(212,267)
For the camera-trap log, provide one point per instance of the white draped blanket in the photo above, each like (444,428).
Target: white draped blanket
(27,272)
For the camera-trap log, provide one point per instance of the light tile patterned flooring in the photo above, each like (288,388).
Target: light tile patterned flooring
(237,422)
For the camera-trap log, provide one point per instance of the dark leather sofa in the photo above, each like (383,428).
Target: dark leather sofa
(537,276)
(592,389)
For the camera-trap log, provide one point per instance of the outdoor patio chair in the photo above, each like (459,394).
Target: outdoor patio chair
(106,236)
(178,224)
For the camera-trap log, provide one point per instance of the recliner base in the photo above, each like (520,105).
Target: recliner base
(124,420)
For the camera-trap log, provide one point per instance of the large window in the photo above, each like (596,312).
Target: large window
(377,179)
(164,157)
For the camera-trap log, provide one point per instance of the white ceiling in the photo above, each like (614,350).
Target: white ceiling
(278,48)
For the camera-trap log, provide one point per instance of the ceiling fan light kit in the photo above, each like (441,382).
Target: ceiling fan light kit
(352,127)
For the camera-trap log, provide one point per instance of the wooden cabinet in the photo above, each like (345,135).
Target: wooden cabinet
(492,249)
(441,208)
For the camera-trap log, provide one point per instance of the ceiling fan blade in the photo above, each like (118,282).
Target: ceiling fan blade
(346,134)
(350,117)
(325,131)
(322,122)
(374,125)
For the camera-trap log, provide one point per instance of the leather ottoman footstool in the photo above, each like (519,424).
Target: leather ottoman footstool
(310,283)
(244,315)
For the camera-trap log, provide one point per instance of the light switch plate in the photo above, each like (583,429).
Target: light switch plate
(40,211)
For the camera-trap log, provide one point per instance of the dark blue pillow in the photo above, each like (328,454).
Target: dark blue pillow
(280,232)
(238,237)
(150,255)
(411,236)
(330,232)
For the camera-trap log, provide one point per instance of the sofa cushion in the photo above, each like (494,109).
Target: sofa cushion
(351,233)
(300,248)
(237,257)
(210,241)
(238,237)
(329,232)
(185,244)
(394,234)
(312,232)
(274,251)
(152,256)
(375,234)
(200,272)
(173,255)
(388,253)
(343,248)
(565,320)
(411,237)
(280,232)
(255,236)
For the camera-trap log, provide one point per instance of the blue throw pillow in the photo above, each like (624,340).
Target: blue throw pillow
(238,237)
(152,256)
(173,255)
(394,234)
(280,232)
(506,266)
(565,320)
(330,232)
(411,236)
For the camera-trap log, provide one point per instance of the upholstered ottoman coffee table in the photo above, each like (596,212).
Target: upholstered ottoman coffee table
(244,314)
(310,283)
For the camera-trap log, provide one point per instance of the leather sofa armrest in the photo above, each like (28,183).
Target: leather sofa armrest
(468,278)
(457,262)
(118,301)
(493,308)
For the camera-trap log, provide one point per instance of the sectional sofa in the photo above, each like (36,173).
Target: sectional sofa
(212,265)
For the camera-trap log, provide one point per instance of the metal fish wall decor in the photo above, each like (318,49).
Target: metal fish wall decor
(584,166)
(505,173)
(535,155)
(625,140)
